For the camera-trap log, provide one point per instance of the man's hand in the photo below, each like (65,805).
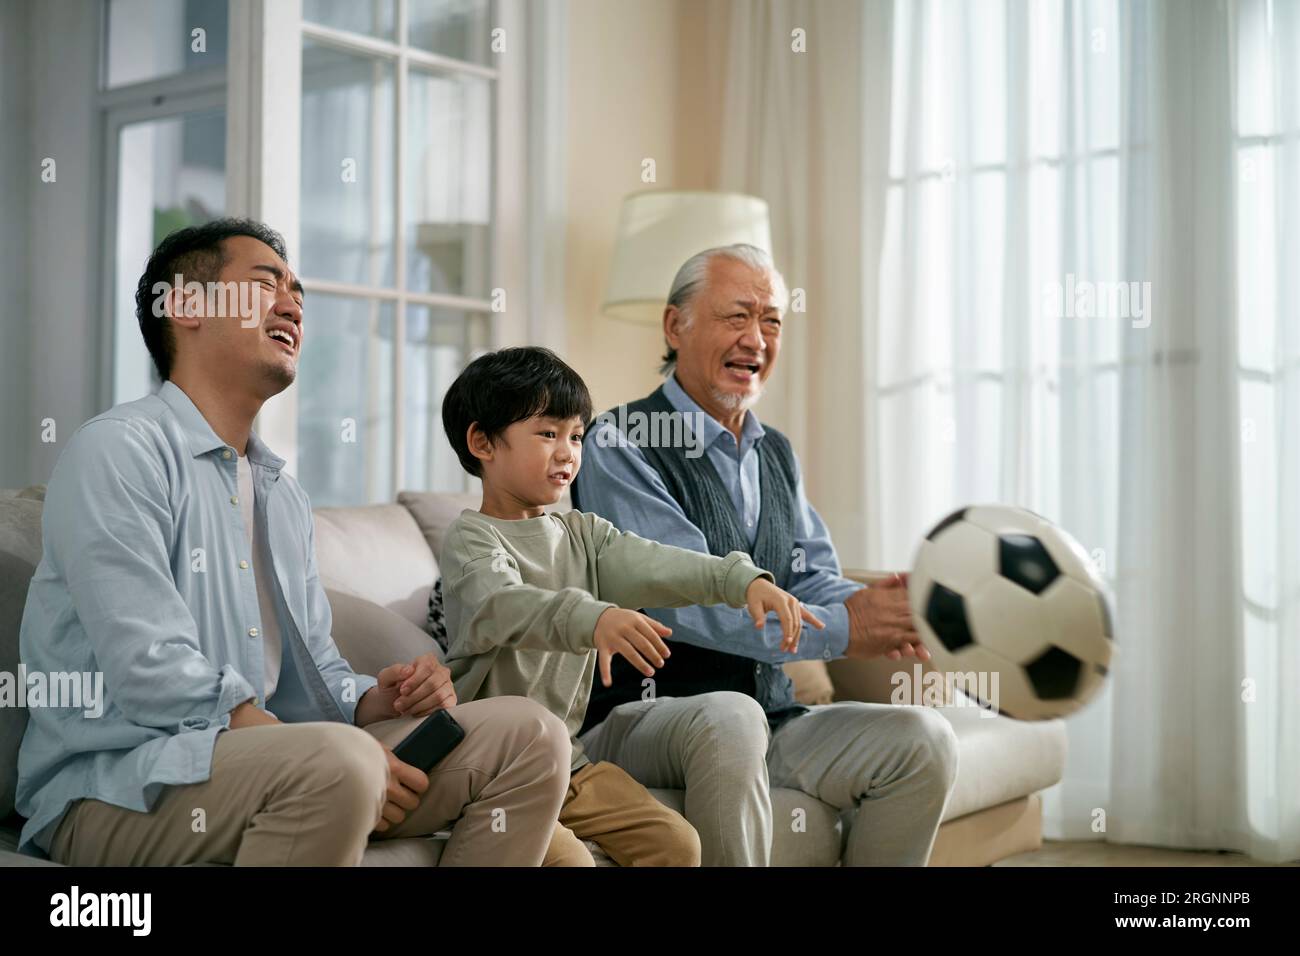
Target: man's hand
(405,785)
(638,638)
(762,596)
(416,689)
(249,714)
(880,622)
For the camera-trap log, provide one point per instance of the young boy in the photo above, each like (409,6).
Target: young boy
(535,601)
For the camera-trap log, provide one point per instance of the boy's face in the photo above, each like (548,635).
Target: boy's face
(534,460)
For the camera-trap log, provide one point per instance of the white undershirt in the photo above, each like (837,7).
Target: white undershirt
(270,625)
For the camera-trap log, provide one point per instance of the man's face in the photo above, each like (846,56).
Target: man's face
(252,329)
(534,460)
(729,348)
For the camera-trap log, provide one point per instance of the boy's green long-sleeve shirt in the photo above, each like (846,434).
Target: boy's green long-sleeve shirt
(522,598)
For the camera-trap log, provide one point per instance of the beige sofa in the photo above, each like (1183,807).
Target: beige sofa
(377,564)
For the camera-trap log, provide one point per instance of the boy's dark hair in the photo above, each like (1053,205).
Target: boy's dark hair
(196,254)
(507,386)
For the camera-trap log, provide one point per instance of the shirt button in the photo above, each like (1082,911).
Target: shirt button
(252,632)
(243,565)
(758,669)
(234,499)
(226,454)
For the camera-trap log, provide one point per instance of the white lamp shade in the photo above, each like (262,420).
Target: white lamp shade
(658,231)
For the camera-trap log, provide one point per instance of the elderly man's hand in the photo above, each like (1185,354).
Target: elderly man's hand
(880,623)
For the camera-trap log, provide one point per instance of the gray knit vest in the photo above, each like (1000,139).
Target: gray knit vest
(696,486)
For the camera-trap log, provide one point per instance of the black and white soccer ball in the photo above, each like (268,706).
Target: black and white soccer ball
(998,589)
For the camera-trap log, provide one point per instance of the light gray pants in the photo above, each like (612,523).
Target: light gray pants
(896,764)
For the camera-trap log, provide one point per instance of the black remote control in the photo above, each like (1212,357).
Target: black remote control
(437,735)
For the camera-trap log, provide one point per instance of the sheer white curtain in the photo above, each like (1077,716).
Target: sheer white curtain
(1041,154)
(1065,277)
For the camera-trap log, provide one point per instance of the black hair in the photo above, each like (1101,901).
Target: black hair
(196,254)
(507,386)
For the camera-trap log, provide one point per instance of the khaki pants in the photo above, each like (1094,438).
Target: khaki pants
(623,818)
(310,795)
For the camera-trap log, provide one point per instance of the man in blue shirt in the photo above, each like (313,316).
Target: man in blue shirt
(179,563)
(691,466)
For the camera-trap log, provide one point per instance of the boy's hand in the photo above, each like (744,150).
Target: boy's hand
(763,596)
(405,784)
(629,633)
(418,688)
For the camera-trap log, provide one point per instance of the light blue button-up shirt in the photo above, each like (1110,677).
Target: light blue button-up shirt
(617,483)
(147,578)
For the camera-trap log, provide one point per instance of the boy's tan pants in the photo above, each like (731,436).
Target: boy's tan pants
(311,794)
(605,805)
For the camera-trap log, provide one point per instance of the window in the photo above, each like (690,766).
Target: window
(1267,144)
(396,200)
(164,108)
(154,39)
(1003,182)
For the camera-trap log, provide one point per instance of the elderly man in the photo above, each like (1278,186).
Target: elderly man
(720,719)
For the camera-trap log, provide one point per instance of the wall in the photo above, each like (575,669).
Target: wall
(15,172)
(51,251)
(639,86)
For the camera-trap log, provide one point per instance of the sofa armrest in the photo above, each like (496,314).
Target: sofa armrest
(866,577)
(873,681)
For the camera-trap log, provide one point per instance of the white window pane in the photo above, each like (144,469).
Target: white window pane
(374,18)
(1257,304)
(917,440)
(1263,719)
(439,344)
(976,440)
(454,28)
(901,117)
(1046,273)
(896,328)
(448,183)
(347,166)
(1102,68)
(1045,76)
(934,277)
(345,401)
(986,41)
(1259,493)
(1095,214)
(1255,68)
(148,39)
(171,174)
(934,105)
(982,318)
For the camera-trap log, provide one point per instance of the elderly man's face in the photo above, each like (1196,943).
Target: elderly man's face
(727,352)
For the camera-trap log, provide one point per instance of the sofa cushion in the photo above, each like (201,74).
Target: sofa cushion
(370,637)
(1000,759)
(434,511)
(378,553)
(20,553)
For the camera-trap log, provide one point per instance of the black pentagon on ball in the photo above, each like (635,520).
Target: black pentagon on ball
(945,612)
(947,522)
(1023,560)
(1054,674)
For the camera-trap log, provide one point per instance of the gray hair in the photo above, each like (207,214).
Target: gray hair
(694,273)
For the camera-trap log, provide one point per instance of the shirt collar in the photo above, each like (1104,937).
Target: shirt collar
(202,439)
(750,431)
